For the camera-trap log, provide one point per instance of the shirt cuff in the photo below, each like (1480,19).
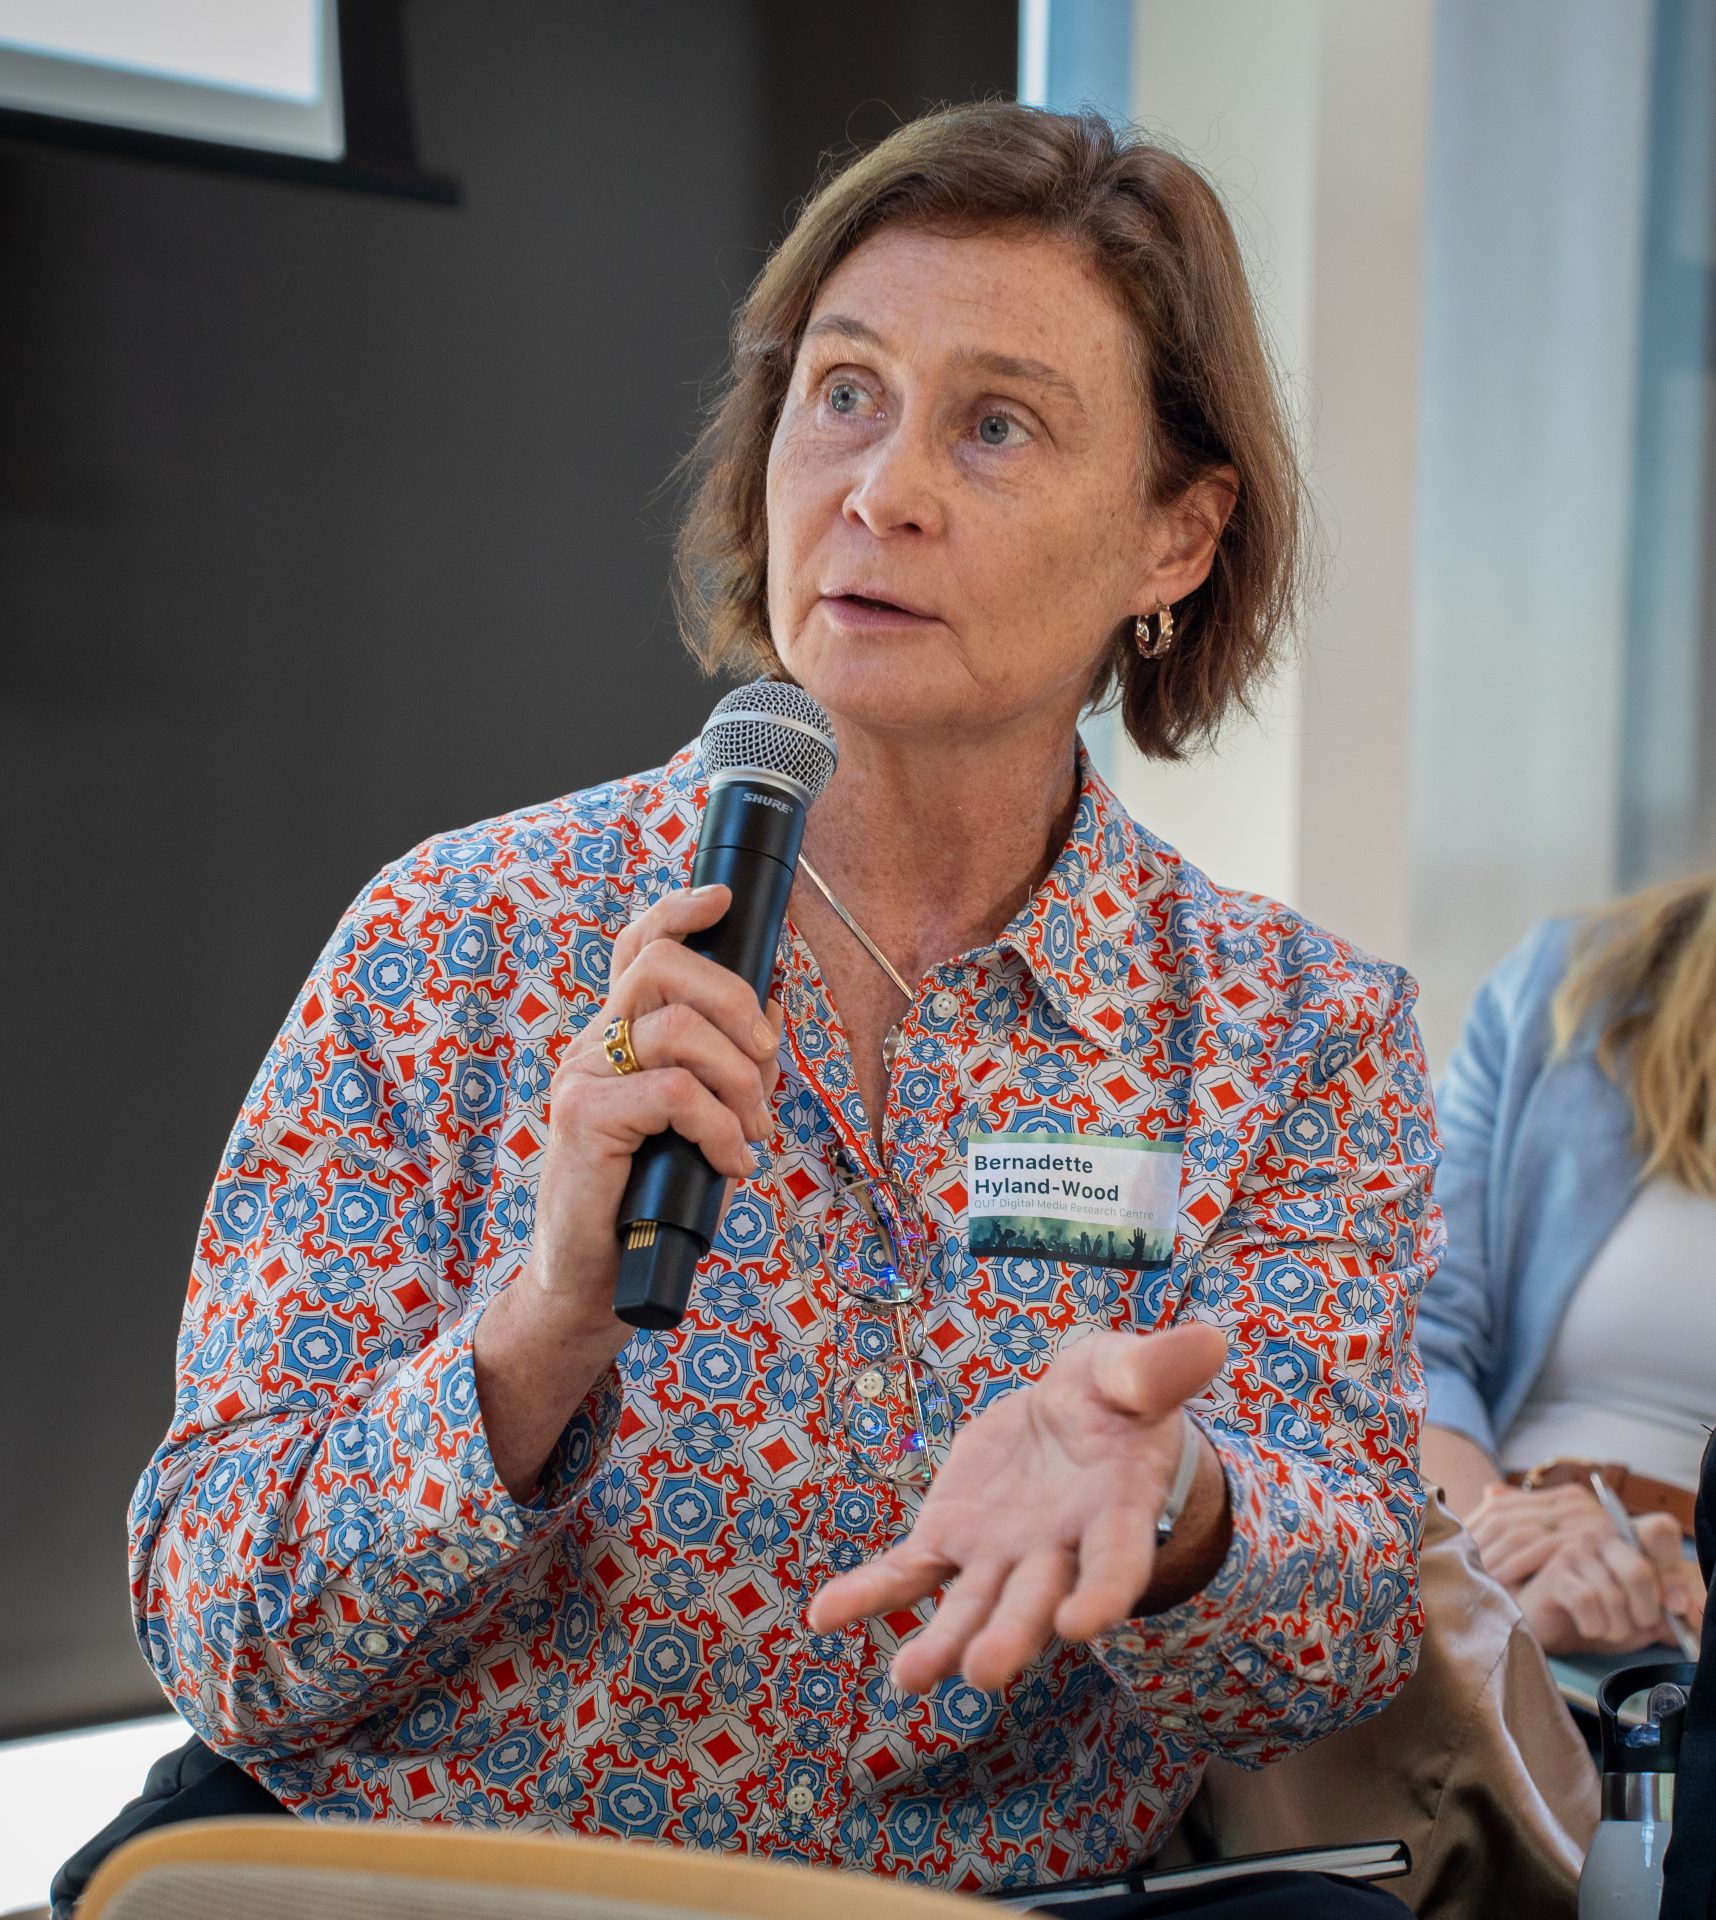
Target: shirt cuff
(455,1522)
(1452,1401)
(1190,1664)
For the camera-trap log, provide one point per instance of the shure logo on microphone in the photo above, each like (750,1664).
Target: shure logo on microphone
(768,800)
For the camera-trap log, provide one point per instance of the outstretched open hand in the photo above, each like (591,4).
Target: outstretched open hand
(1044,1513)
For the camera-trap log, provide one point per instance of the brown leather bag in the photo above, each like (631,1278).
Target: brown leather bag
(1476,1764)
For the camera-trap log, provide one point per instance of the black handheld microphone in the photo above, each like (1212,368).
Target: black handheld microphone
(769,751)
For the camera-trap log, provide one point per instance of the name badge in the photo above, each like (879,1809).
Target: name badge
(1089,1198)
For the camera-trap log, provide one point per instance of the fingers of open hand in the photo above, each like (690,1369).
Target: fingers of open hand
(997,1617)
(1152,1374)
(939,1648)
(898,1578)
(1022,1621)
(1115,1558)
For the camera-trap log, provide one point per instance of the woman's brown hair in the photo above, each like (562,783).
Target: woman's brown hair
(1154,227)
(1644,973)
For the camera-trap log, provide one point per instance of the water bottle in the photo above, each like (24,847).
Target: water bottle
(1622,1878)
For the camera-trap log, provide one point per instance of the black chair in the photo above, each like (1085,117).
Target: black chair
(1689,1869)
(191,1783)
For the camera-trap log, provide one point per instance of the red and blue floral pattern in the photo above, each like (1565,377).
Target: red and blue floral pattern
(334,1587)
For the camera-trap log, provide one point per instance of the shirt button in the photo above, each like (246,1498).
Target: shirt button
(800,1799)
(870,1384)
(944,1005)
(455,1559)
(493,1527)
(373,1642)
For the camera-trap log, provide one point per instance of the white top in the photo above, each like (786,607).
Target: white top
(1632,1373)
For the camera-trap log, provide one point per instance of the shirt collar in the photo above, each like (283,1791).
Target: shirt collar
(1080,932)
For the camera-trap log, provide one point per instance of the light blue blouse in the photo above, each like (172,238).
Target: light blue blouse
(1538,1166)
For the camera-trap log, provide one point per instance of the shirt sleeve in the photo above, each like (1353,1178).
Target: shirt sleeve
(1458,1321)
(323,1521)
(1313,1272)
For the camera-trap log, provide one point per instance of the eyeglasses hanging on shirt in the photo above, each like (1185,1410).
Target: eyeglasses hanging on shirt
(889,1407)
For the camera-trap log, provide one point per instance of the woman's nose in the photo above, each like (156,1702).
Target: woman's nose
(897,488)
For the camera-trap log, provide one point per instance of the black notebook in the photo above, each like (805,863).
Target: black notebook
(1365,1860)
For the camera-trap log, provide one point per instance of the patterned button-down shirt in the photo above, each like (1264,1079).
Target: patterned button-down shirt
(335,1588)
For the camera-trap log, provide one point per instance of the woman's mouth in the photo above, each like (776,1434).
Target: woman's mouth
(870,610)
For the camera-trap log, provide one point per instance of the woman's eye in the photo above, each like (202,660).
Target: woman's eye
(994,429)
(845,397)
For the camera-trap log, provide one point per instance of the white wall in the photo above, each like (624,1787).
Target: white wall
(1311,116)
(1235,87)
(60,1791)
(1533,245)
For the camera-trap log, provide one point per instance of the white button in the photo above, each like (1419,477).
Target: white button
(944,1005)
(493,1527)
(456,1559)
(870,1384)
(373,1642)
(800,1799)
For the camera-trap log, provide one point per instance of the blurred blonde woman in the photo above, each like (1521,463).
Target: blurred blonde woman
(1572,1326)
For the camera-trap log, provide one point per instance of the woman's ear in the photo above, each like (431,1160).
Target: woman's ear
(1186,532)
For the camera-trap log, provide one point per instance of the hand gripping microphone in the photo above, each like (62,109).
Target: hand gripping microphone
(769,751)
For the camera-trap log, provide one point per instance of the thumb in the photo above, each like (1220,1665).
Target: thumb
(1153,1373)
(1659,1535)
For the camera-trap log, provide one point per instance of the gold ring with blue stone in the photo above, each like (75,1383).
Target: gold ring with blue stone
(617,1045)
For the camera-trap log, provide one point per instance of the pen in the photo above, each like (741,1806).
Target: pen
(1621,1520)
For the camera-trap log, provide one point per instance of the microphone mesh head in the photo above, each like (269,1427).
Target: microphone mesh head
(771,727)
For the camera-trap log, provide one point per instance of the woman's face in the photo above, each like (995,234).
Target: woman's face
(955,525)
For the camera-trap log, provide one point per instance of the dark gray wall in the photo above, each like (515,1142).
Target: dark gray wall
(327,522)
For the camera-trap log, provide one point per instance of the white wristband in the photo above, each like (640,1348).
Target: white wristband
(1181,1491)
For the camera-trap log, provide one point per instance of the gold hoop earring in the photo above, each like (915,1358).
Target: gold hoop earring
(1153,647)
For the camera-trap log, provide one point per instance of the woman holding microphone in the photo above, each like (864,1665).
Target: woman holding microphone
(911,1549)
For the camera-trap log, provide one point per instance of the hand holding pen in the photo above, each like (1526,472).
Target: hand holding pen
(1583,1584)
(1622,1522)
